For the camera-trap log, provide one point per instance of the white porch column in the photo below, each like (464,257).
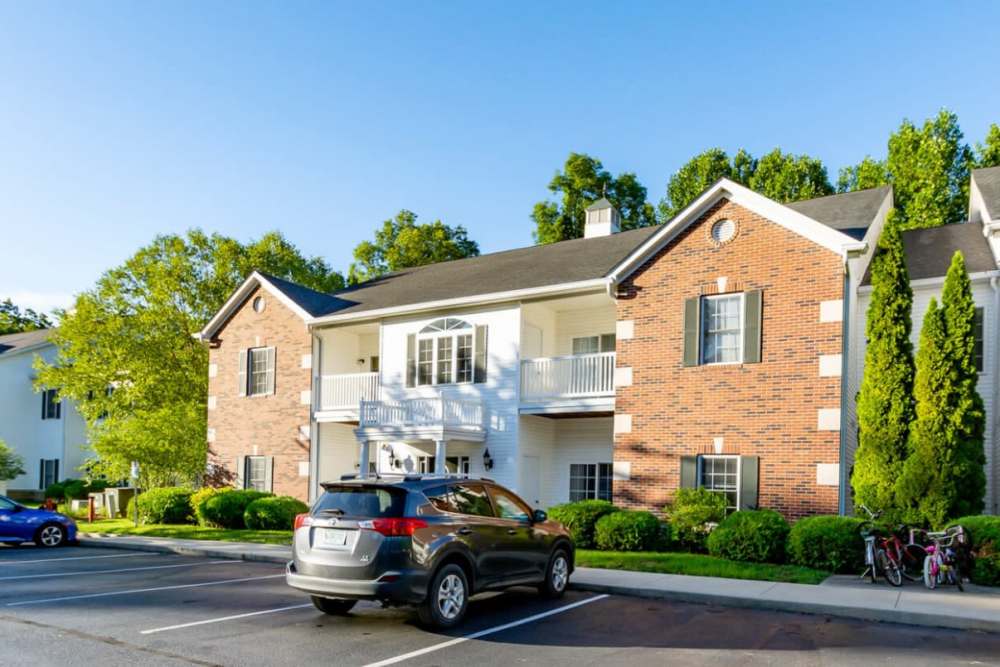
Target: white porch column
(440,453)
(363,460)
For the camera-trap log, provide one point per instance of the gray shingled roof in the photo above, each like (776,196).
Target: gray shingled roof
(929,251)
(599,204)
(848,212)
(988,181)
(18,341)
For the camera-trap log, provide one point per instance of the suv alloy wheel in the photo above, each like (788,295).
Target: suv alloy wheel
(447,598)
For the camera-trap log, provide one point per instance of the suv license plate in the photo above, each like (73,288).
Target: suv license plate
(332,537)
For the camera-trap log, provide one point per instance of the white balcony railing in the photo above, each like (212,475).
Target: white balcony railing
(437,411)
(572,376)
(346,391)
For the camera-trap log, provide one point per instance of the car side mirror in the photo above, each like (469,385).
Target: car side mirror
(539,517)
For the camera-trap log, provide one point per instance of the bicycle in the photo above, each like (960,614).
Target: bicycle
(941,565)
(890,554)
(876,558)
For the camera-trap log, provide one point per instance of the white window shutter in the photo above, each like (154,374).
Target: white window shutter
(241,374)
(241,466)
(270,370)
(269,474)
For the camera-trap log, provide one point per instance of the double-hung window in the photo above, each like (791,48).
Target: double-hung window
(447,351)
(256,371)
(255,475)
(48,473)
(721,474)
(588,481)
(594,344)
(722,329)
(51,407)
(978,334)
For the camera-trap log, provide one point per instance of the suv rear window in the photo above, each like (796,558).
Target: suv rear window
(362,501)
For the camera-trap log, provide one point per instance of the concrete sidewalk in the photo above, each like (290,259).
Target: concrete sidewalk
(978,608)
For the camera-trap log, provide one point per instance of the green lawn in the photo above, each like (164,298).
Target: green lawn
(697,564)
(125,527)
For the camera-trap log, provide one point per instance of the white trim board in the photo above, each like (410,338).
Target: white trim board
(254,280)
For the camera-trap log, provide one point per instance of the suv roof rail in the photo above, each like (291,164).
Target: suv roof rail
(411,476)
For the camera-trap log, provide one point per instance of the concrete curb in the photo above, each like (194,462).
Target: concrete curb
(930,620)
(108,541)
(281,555)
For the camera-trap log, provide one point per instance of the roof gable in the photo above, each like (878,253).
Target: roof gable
(928,252)
(987,181)
(16,343)
(297,298)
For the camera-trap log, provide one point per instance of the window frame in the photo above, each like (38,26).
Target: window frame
(703,331)
(250,388)
(739,477)
(979,346)
(248,468)
(429,371)
(601,340)
(51,405)
(48,466)
(593,491)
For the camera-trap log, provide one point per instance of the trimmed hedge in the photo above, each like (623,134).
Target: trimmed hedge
(832,543)
(631,531)
(692,513)
(580,517)
(198,501)
(984,532)
(226,510)
(74,489)
(164,505)
(273,513)
(755,536)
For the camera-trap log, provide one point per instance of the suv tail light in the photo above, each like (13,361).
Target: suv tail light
(401,527)
(302,520)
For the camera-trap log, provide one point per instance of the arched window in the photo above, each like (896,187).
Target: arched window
(445,352)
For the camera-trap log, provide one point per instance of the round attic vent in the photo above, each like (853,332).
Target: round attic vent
(259,304)
(723,231)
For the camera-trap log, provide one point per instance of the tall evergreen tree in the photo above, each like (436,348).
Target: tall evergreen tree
(885,404)
(943,477)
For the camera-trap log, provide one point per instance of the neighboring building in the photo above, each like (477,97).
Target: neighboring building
(708,351)
(49,434)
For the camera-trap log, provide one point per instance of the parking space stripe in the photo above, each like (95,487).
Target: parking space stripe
(124,569)
(223,618)
(140,590)
(52,560)
(483,633)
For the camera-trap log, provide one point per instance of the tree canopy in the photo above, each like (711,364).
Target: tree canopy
(14,320)
(988,152)
(11,463)
(132,333)
(402,243)
(582,181)
(781,176)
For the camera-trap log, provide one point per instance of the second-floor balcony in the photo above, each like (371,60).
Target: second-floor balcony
(431,418)
(587,378)
(346,391)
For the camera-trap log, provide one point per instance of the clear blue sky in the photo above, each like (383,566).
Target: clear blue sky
(119,121)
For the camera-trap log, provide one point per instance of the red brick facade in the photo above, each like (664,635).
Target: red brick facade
(767,409)
(268,425)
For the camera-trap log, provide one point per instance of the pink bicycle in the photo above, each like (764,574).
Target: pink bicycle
(942,564)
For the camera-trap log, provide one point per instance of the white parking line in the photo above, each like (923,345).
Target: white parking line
(124,569)
(223,618)
(483,633)
(140,590)
(50,560)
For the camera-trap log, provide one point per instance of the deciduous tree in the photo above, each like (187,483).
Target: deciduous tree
(988,152)
(133,332)
(14,320)
(786,178)
(402,243)
(11,463)
(885,402)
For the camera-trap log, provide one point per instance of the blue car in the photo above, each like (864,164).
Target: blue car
(22,524)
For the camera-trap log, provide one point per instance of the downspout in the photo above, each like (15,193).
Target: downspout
(845,331)
(995,467)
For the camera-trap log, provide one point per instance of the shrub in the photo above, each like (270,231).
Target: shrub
(832,543)
(56,490)
(274,513)
(756,536)
(984,532)
(74,489)
(198,499)
(170,504)
(631,531)
(225,510)
(580,517)
(691,515)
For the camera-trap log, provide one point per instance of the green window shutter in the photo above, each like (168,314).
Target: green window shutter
(269,474)
(241,374)
(241,470)
(692,330)
(270,370)
(481,343)
(41,474)
(752,310)
(411,360)
(749,481)
(689,472)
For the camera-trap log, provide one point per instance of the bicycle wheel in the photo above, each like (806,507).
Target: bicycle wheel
(913,561)
(872,570)
(890,570)
(955,577)
(930,579)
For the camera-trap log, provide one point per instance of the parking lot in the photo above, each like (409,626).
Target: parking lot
(86,606)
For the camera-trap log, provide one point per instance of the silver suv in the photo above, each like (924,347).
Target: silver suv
(431,541)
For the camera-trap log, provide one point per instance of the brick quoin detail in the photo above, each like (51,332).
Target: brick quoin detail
(766,409)
(269,422)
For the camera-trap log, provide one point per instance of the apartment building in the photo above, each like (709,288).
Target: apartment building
(720,349)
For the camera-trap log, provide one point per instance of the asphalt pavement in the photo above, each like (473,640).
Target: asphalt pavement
(97,606)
